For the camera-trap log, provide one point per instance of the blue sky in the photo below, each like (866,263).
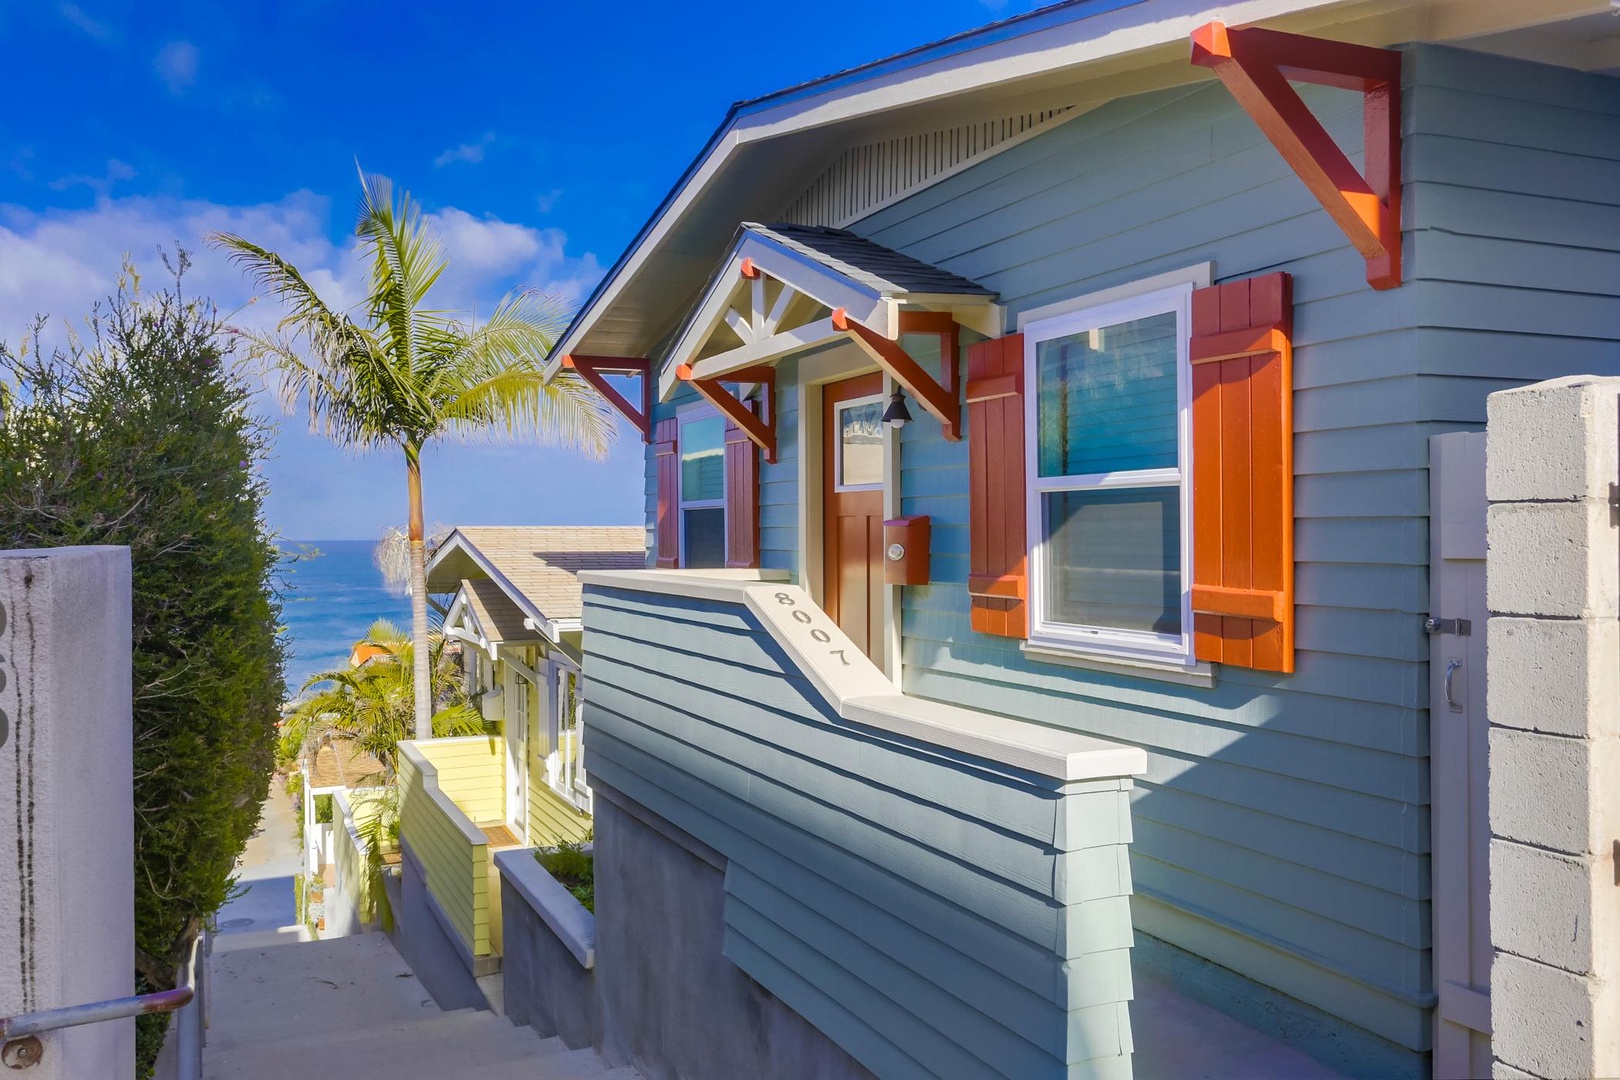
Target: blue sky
(540,136)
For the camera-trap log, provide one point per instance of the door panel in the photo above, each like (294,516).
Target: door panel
(1458,727)
(852,516)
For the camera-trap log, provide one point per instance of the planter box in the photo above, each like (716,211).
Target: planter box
(550,960)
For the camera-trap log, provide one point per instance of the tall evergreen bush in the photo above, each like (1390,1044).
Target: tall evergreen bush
(141,433)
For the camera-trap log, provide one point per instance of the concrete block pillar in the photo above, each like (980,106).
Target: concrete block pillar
(1553,587)
(67,821)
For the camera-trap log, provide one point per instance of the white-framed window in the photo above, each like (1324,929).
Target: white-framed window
(858,454)
(702,449)
(1107,422)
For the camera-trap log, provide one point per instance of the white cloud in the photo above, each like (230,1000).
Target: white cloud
(176,65)
(548,201)
(472,153)
(60,262)
(76,15)
(101,185)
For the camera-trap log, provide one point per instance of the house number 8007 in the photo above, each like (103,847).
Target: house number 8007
(816,633)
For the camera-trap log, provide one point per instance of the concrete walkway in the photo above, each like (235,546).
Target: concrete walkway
(351,1007)
(267,911)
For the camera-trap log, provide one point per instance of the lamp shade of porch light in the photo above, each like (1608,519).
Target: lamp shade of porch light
(897,414)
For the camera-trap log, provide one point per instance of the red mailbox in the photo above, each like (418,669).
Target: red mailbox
(905,550)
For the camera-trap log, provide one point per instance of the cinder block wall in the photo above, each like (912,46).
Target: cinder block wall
(1553,586)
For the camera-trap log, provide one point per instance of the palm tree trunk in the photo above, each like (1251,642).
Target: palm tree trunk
(419,607)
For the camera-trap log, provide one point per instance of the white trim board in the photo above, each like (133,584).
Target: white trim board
(860,693)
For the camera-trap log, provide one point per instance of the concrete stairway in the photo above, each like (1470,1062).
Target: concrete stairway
(350,1007)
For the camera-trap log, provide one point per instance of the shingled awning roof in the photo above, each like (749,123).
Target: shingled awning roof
(498,616)
(888,272)
(531,570)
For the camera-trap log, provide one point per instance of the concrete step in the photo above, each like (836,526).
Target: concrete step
(471,1045)
(311,989)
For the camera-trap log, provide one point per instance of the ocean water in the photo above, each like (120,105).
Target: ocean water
(330,600)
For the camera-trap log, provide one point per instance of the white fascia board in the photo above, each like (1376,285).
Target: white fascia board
(1086,39)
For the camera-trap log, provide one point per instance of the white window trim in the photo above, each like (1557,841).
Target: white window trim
(838,445)
(692,414)
(1166,293)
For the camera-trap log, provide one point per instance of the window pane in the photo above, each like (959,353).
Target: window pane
(1106,398)
(703,460)
(860,431)
(1113,558)
(705,537)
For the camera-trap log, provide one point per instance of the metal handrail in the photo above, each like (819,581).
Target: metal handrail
(162,1001)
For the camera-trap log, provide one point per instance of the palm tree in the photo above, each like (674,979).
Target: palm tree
(372,706)
(404,374)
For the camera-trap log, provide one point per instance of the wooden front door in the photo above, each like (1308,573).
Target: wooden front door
(852,509)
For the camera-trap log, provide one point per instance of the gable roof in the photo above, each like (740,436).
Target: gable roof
(1066,58)
(535,567)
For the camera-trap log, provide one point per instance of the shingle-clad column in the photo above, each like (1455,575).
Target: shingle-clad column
(1553,587)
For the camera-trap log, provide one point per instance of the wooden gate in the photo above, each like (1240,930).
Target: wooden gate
(1459,821)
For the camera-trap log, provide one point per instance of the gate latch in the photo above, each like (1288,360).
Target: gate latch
(1460,627)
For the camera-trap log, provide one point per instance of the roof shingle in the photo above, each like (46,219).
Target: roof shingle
(888,271)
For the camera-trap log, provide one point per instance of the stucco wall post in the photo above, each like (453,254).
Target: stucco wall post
(1553,587)
(67,819)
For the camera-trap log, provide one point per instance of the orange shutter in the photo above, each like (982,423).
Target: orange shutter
(1243,473)
(997,543)
(667,523)
(742,497)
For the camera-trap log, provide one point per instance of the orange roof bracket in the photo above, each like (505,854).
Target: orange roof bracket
(762,432)
(939,398)
(1256,66)
(593,369)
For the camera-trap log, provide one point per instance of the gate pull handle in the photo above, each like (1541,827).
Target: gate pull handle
(1451,670)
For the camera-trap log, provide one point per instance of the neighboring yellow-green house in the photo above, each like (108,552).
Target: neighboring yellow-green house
(510,597)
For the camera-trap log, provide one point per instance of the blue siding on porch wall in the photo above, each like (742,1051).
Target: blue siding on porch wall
(1282,828)
(932,913)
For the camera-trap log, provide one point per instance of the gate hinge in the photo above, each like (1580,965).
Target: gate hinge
(1460,627)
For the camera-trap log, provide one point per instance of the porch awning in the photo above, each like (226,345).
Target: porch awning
(782,289)
(493,615)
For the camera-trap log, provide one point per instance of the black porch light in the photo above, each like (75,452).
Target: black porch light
(897,414)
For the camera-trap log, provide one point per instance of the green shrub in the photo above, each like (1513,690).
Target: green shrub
(574,868)
(323,809)
(141,433)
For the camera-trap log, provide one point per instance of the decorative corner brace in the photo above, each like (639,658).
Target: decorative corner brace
(940,399)
(593,368)
(1256,65)
(761,432)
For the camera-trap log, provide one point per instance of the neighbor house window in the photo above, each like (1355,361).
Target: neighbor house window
(703,490)
(1107,393)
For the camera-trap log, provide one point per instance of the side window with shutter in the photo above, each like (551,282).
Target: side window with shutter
(997,539)
(1131,477)
(1243,473)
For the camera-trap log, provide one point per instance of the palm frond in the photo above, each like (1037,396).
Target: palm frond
(501,388)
